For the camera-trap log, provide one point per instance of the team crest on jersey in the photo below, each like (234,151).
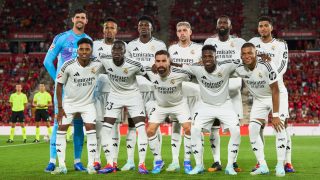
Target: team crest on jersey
(125,70)
(260,75)
(192,51)
(152,48)
(219,74)
(273,47)
(232,44)
(172,81)
(93,70)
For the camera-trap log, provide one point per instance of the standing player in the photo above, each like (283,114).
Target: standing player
(261,79)
(18,102)
(184,52)
(102,50)
(79,75)
(41,101)
(64,46)
(277,50)
(213,78)
(142,50)
(169,102)
(124,92)
(228,47)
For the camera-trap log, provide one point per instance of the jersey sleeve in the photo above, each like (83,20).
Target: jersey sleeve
(35,98)
(141,70)
(272,73)
(49,98)
(51,55)
(11,98)
(283,54)
(163,46)
(187,68)
(63,74)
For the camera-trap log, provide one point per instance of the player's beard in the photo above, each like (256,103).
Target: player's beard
(223,32)
(161,71)
(79,27)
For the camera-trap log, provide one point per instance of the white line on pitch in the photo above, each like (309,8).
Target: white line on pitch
(21,144)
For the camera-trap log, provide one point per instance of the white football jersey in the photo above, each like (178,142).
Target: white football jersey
(79,82)
(144,53)
(277,50)
(230,49)
(259,79)
(168,90)
(102,50)
(185,55)
(213,86)
(123,78)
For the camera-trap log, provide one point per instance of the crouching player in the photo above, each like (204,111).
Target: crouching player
(169,102)
(262,80)
(78,75)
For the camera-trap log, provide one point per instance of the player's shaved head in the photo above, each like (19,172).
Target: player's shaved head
(224,17)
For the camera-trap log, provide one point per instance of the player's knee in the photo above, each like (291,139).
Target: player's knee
(89,126)
(151,131)
(187,130)
(63,127)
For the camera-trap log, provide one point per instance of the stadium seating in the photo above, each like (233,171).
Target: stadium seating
(293,14)
(126,13)
(303,84)
(203,14)
(25,69)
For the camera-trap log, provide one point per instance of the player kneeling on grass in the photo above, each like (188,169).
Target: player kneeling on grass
(78,76)
(262,80)
(169,102)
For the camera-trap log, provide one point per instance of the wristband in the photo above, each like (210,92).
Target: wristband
(275,114)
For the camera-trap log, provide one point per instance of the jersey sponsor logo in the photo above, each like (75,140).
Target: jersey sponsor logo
(136,49)
(100,49)
(76,74)
(256,84)
(272,75)
(167,90)
(84,81)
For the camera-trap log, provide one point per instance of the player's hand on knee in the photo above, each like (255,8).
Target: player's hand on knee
(277,124)
(264,57)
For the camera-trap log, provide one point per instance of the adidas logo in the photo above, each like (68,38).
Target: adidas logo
(110,70)
(195,152)
(258,46)
(106,151)
(115,145)
(175,53)
(213,146)
(58,150)
(142,150)
(100,49)
(282,146)
(93,150)
(142,112)
(156,82)
(129,147)
(173,145)
(136,49)
(254,149)
(281,139)
(189,152)
(288,148)
(215,46)
(155,154)
(76,74)
(203,77)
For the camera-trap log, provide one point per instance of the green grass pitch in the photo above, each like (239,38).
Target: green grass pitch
(27,161)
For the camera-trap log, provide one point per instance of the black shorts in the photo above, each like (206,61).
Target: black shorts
(17,116)
(42,114)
